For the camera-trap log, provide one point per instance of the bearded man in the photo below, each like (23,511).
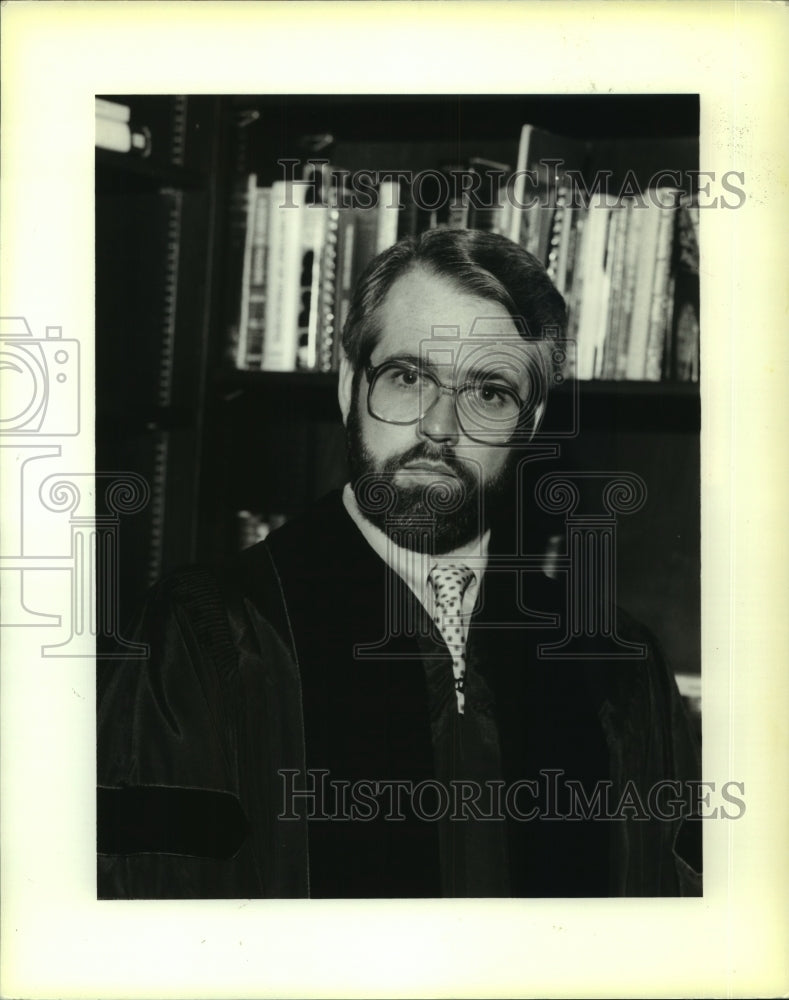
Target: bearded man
(361,708)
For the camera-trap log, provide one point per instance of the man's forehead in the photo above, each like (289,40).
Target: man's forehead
(486,347)
(428,317)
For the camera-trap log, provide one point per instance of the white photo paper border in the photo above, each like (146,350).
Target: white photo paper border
(57,939)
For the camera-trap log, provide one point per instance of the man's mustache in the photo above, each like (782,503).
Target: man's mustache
(425,452)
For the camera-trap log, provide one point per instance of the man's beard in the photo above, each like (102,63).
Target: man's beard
(435,514)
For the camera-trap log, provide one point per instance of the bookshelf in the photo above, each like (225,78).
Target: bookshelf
(271,442)
(156,227)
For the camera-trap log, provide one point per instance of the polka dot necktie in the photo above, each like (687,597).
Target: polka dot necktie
(449,585)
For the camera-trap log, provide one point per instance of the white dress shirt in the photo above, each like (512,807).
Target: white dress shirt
(414,568)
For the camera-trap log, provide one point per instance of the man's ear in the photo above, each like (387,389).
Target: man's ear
(345,387)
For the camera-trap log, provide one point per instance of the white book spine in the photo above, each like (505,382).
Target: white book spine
(642,299)
(593,279)
(316,219)
(243,324)
(388,215)
(288,202)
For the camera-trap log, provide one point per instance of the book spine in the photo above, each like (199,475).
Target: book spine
(604,304)
(564,215)
(613,320)
(366,223)
(593,278)
(327,328)
(408,221)
(486,196)
(256,312)
(686,339)
(346,238)
(249,226)
(685,320)
(388,214)
(639,324)
(668,352)
(656,336)
(574,283)
(452,214)
(313,236)
(635,219)
(557,238)
(288,202)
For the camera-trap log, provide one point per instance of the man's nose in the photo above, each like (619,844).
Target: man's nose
(440,423)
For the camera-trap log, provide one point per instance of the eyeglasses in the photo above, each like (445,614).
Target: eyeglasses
(487,410)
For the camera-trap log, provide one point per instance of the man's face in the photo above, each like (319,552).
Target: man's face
(439,466)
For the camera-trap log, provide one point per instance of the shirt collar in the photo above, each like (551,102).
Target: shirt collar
(415,567)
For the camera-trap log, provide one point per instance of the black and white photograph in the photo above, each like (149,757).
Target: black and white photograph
(392,499)
(412,383)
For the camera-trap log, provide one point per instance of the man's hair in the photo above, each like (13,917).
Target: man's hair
(480,263)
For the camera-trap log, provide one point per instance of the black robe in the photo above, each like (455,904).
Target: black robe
(312,668)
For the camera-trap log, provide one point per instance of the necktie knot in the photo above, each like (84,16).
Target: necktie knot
(449,584)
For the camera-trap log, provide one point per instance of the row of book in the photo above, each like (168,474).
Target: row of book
(300,262)
(627,267)
(629,274)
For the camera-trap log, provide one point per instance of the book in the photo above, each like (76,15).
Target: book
(283,274)
(660,307)
(256,298)
(327,318)
(618,253)
(635,219)
(313,235)
(642,298)
(388,214)
(683,353)
(243,356)
(612,257)
(593,304)
(240,252)
(488,203)
(346,239)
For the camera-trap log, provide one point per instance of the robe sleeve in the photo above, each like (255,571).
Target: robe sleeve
(170,820)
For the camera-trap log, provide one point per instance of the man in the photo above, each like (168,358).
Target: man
(363,707)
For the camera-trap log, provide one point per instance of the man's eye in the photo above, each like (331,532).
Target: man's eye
(491,392)
(405,378)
